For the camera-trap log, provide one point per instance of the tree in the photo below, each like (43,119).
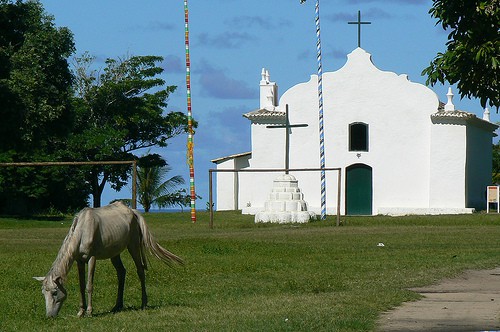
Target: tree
(35,79)
(472,58)
(152,189)
(120,110)
(496,164)
(181,198)
(36,115)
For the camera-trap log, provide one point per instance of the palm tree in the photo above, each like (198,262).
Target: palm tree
(153,190)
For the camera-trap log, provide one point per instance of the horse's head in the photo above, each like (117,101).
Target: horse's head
(54,293)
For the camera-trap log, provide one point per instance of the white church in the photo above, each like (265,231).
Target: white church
(399,150)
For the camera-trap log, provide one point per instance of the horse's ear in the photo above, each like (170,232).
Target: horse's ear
(39,278)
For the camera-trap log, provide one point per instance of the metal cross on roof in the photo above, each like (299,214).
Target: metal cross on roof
(359,22)
(287,126)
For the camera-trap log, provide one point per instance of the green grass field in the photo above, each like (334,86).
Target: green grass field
(241,276)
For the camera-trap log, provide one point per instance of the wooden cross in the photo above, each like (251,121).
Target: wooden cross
(359,22)
(287,127)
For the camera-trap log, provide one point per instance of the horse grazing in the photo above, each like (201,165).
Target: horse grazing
(101,233)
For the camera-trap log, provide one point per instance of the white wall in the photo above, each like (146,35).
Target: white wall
(225,187)
(448,150)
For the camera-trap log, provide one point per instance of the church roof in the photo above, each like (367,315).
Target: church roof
(455,116)
(448,114)
(264,113)
(233,156)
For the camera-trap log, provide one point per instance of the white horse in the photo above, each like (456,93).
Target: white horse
(101,233)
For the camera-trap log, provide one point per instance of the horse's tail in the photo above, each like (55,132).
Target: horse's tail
(149,242)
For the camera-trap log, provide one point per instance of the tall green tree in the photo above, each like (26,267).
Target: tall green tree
(472,57)
(36,115)
(35,80)
(153,188)
(119,110)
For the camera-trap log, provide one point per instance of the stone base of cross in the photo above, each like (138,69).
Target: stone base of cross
(285,204)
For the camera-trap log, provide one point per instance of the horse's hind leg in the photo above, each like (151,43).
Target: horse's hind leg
(138,260)
(120,273)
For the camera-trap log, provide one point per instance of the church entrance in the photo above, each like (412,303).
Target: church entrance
(359,191)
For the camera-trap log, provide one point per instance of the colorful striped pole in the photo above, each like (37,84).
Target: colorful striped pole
(190,143)
(321,129)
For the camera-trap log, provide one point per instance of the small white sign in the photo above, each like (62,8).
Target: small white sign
(493,197)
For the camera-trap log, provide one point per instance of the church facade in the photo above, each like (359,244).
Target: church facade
(397,148)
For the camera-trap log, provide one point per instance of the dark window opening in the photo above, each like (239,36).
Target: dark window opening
(358,137)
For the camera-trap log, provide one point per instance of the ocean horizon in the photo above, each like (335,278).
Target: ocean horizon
(167,210)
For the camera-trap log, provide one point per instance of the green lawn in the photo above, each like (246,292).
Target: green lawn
(245,277)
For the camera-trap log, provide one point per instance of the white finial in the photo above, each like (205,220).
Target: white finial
(449,105)
(263,76)
(486,114)
(268,77)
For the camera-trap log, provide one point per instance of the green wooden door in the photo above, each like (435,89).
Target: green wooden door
(359,193)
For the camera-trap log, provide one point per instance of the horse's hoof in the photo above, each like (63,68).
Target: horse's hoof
(116,309)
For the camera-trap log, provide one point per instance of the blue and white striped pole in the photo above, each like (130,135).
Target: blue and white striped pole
(321,128)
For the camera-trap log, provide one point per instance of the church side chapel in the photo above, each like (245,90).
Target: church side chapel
(399,149)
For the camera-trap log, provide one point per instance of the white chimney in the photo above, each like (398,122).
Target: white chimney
(268,91)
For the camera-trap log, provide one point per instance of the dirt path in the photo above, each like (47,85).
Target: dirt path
(470,302)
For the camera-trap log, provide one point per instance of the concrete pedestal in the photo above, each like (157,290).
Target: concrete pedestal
(286,203)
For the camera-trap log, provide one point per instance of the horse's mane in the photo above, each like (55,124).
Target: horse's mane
(64,260)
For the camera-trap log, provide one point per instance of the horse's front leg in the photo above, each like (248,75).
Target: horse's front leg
(90,284)
(81,280)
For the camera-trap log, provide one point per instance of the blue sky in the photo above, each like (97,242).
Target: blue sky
(232,40)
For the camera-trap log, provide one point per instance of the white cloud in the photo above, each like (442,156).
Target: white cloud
(226,40)
(215,83)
